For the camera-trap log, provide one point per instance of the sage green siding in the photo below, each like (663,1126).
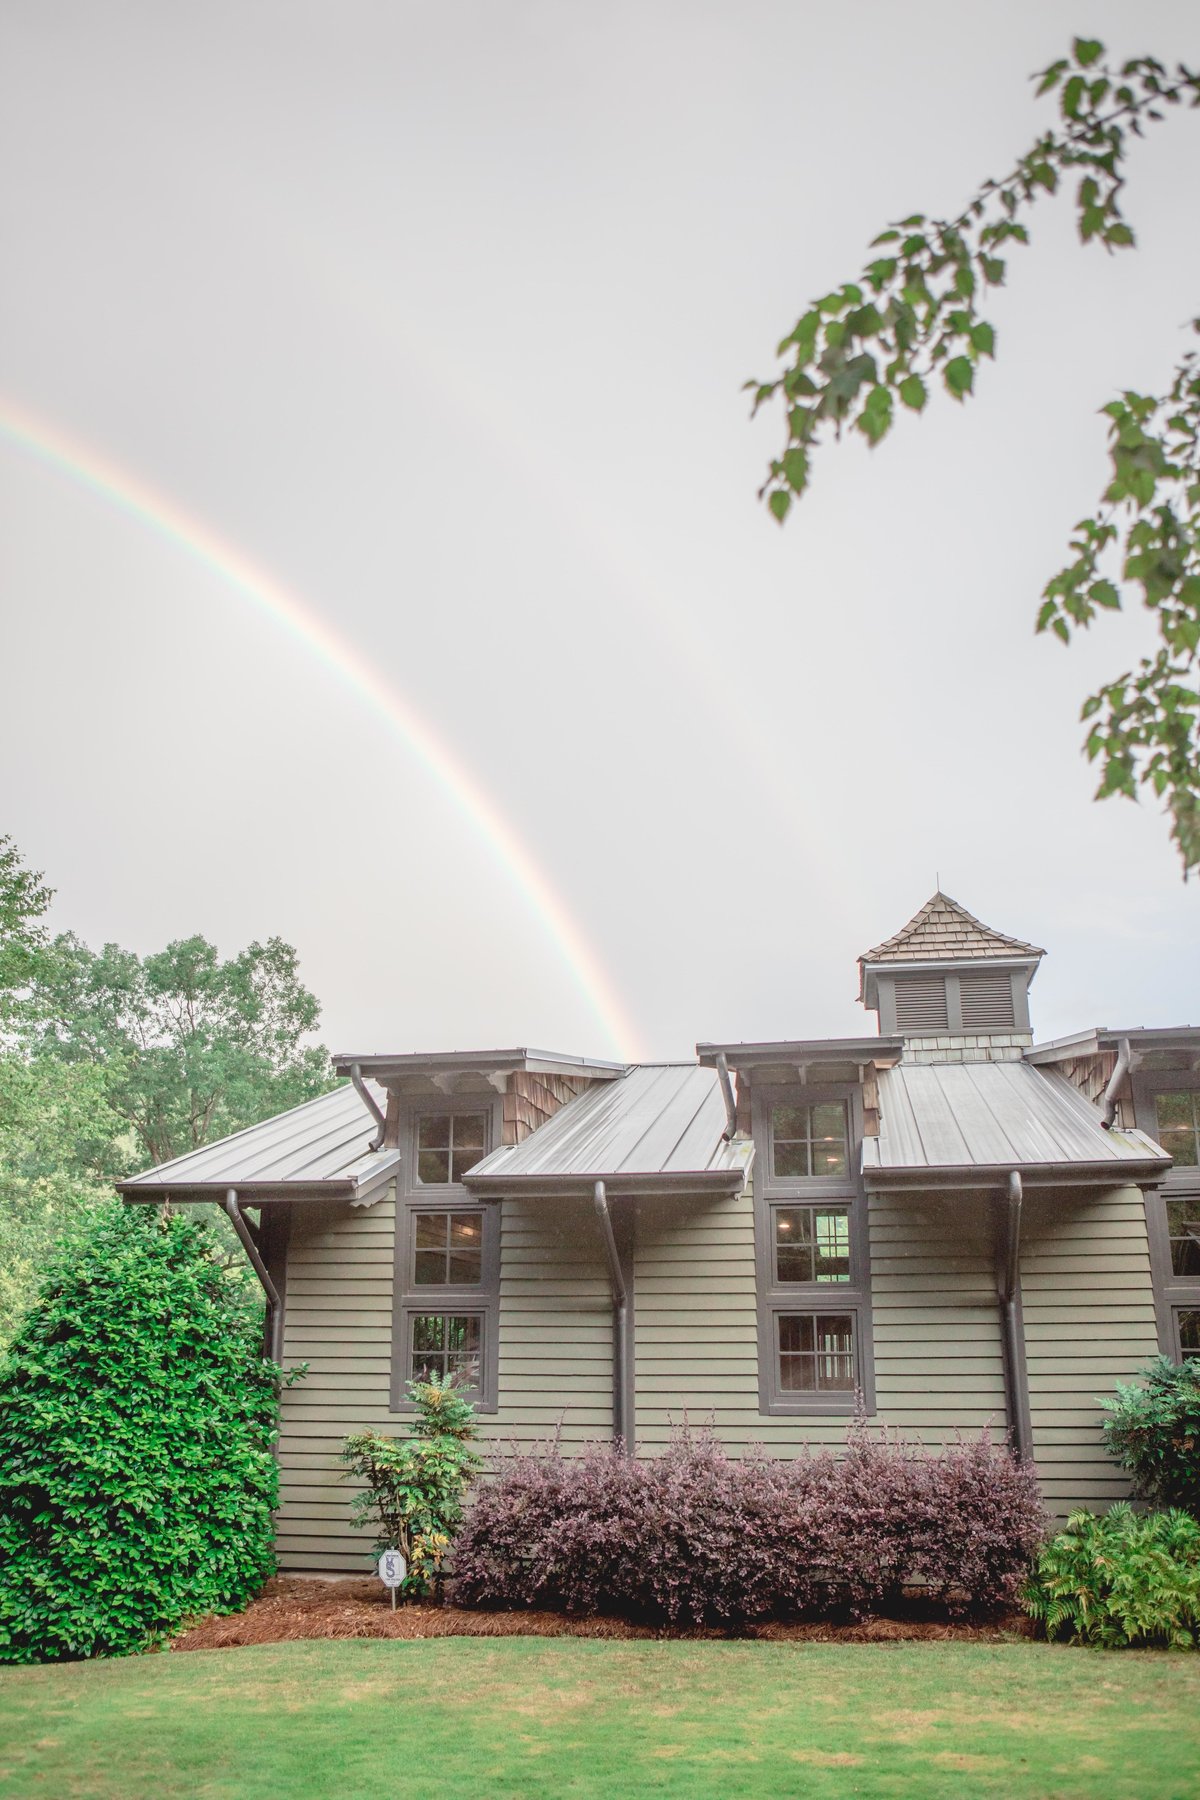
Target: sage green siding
(555,1361)
(1089,1323)
(1088,1309)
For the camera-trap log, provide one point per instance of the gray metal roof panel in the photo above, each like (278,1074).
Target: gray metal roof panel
(658,1119)
(381,1063)
(963,1116)
(322,1140)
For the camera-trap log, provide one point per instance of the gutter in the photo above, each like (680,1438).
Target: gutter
(372,1105)
(622,1422)
(1120,1071)
(730,1130)
(242,1226)
(1016,1385)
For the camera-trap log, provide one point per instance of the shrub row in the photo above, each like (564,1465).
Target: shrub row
(695,1538)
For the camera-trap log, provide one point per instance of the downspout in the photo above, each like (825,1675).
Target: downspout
(1120,1071)
(274,1305)
(1019,1428)
(622,1425)
(727,1095)
(372,1105)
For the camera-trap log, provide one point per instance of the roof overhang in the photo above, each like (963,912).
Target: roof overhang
(390,1068)
(1150,1041)
(802,1052)
(1109,1173)
(729,1180)
(361,1188)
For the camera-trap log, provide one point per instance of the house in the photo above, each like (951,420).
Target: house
(966,1227)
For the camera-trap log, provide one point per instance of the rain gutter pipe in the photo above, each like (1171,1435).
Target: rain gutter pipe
(369,1101)
(1016,1392)
(727,1096)
(274,1304)
(1120,1071)
(622,1424)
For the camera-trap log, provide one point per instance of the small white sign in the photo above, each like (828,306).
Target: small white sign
(392,1569)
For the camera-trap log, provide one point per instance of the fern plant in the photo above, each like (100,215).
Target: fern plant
(1125,1578)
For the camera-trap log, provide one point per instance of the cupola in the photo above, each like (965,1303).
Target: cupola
(951,985)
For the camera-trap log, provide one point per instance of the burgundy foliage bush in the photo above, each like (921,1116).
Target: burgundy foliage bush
(695,1538)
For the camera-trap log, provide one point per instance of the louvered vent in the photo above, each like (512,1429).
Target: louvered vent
(987,1000)
(921,1005)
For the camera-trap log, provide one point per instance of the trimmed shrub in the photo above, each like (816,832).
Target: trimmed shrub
(413,1488)
(695,1538)
(1154,1432)
(1126,1578)
(137,1419)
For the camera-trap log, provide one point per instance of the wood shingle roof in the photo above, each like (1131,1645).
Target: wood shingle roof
(944,931)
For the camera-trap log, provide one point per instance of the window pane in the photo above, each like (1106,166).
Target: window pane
(1185,1243)
(791,1160)
(429,1332)
(431,1230)
(1189,1333)
(1179,1128)
(466,1247)
(789,1122)
(433,1132)
(429,1268)
(433,1166)
(816,1352)
(470,1130)
(831,1230)
(465,1157)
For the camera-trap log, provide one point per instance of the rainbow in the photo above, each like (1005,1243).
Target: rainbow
(134,497)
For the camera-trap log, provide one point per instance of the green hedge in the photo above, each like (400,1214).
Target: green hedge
(137,1422)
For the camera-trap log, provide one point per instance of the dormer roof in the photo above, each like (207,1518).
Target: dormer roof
(944,931)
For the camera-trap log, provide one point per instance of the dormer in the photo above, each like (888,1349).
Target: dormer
(952,987)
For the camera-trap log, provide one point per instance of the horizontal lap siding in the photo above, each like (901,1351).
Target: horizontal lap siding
(555,1348)
(939,1369)
(1089,1323)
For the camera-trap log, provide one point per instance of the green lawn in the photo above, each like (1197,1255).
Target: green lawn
(524,1716)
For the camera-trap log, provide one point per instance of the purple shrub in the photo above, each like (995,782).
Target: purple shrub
(694,1538)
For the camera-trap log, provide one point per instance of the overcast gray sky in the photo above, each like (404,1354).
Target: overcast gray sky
(439,316)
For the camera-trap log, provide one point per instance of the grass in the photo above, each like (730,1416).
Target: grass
(532,1717)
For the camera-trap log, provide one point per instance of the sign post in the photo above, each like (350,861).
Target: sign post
(392,1570)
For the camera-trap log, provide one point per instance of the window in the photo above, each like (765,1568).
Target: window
(811,1252)
(808,1141)
(448,1144)
(447,1344)
(1177,1117)
(1167,1106)
(447,1249)
(447,1269)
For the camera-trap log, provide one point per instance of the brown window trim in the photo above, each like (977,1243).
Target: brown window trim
(478,1299)
(1173,1294)
(795,1297)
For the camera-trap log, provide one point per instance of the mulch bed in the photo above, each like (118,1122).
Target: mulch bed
(292,1607)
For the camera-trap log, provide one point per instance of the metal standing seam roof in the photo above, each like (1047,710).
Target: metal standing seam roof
(320,1147)
(660,1125)
(967,1120)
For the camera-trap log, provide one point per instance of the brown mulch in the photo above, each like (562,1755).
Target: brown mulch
(292,1607)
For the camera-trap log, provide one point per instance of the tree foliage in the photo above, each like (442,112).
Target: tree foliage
(1153,1430)
(137,1419)
(914,321)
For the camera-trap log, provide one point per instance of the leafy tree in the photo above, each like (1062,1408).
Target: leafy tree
(194,1047)
(137,1419)
(24,898)
(913,321)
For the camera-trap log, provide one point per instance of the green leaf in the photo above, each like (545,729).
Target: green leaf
(1103,593)
(779,503)
(959,376)
(983,337)
(912,392)
(1087,51)
(795,469)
